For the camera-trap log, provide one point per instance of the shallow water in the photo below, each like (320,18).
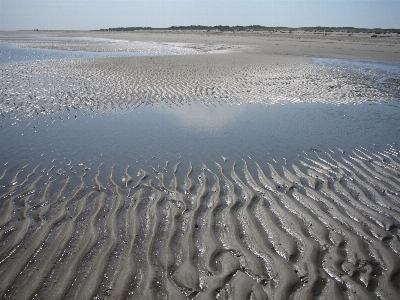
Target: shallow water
(199,132)
(362,65)
(383,75)
(19,48)
(12,54)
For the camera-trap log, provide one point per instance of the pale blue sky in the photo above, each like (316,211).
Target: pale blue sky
(96,14)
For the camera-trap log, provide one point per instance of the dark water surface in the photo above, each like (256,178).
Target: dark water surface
(197,132)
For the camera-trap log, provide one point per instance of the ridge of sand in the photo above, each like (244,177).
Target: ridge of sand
(324,225)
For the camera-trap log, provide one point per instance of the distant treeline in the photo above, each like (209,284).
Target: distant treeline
(260,28)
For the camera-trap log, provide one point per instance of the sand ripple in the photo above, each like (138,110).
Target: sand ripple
(106,85)
(326,226)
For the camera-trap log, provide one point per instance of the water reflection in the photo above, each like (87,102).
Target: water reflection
(11,54)
(199,132)
(206,118)
(359,64)
(15,47)
(384,76)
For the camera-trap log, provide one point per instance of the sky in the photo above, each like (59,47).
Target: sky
(99,14)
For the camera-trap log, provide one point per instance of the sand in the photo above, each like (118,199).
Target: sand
(298,43)
(233,68)
(102,84)
(325,226)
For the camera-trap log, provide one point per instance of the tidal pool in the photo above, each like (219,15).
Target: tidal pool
(150,137)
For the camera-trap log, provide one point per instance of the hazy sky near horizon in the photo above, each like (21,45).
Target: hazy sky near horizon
(97,14)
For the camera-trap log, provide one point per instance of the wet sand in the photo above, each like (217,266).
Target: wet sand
(299,43)
(323,226)
(109,84)
(228,72)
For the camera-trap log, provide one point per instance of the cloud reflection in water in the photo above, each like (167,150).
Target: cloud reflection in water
(206,118)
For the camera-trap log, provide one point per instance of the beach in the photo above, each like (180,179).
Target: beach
(200,165)
(299,43)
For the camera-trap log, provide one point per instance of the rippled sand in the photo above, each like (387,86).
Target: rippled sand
(323,227)
(94,84)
